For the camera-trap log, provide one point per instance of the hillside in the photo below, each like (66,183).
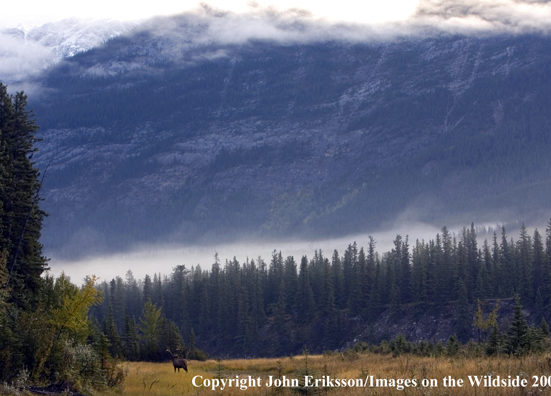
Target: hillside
(153,137)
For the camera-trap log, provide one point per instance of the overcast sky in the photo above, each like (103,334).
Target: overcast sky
(40,11)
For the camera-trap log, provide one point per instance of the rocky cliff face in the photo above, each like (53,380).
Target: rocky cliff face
(151,138)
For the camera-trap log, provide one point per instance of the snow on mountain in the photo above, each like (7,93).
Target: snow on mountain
(27,50)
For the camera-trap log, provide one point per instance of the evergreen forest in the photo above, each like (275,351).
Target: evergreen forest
(281,307)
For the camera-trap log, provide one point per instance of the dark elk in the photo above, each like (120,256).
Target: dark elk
(177,362)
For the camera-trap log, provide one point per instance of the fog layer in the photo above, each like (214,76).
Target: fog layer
(27,51)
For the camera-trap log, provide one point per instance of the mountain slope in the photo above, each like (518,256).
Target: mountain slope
(151,138)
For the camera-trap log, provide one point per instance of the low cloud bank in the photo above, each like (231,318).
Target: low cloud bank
(162,259)
(430,17)
(24,52)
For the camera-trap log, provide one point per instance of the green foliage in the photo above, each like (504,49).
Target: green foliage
(149,326)
(400,345)
(58,321)
(452,345)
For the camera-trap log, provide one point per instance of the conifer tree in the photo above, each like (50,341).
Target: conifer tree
(420,259)
(463,318)
(133,296)
(497,279)
(204,322)
(452,345)
(405,273)
(374,305)
(495,342)
(544,328)
(275,275)
(158,293)
(446,265)
(304,301)
(473,262)
(329,312)
(431,271)
(147,289)
(355,296)
(338,279)
(20,216)
(244,337)
(214,294)
(370,268)
(118,303)
(525,266)
(540,273)
(192,349)
(149,326)
(283,336)
(110,330)
(257,302)
(291,283)
(130,338)
(509,275)
(518,337)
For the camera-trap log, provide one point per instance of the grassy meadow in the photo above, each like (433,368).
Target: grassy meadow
(160,379)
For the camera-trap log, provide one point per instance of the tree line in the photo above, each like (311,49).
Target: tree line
(284,305)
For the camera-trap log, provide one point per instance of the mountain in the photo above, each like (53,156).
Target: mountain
(158,136)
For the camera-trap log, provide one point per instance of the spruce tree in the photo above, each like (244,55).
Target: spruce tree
(147,289)
(20,215)
(495,342)
(452,345)
(110,330)
(291,283)
(338,279)
(130,339)
(374,305)
(244,337)
(524,247)
(283,337)
(463,318)
(544,328)
(518,337)
(304,301)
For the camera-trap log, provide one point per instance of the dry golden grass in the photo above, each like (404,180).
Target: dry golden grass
(159,378)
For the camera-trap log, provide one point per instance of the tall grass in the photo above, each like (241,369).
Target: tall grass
(160,379)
